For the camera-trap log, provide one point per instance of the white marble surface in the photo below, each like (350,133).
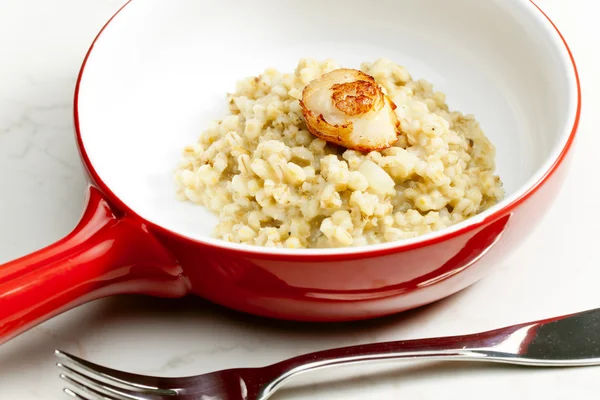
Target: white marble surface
(41,193)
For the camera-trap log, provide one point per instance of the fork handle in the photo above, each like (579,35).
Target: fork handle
(105,254)
(476,347)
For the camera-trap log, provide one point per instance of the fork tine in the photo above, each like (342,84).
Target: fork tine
(90,394)
(114,378)
(75,395)
(96,388)
(71,375)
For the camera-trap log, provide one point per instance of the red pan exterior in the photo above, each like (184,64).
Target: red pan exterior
(365,285)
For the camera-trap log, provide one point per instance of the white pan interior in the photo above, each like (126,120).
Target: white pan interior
(160,70)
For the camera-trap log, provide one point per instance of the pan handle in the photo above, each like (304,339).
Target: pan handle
(106,254)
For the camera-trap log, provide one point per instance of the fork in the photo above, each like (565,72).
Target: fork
(567,341)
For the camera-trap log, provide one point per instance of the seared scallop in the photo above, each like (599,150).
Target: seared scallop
(347,107)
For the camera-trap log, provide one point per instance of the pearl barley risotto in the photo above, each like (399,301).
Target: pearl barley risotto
(272,183)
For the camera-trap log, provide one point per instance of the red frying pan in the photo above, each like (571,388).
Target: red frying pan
(157,73)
